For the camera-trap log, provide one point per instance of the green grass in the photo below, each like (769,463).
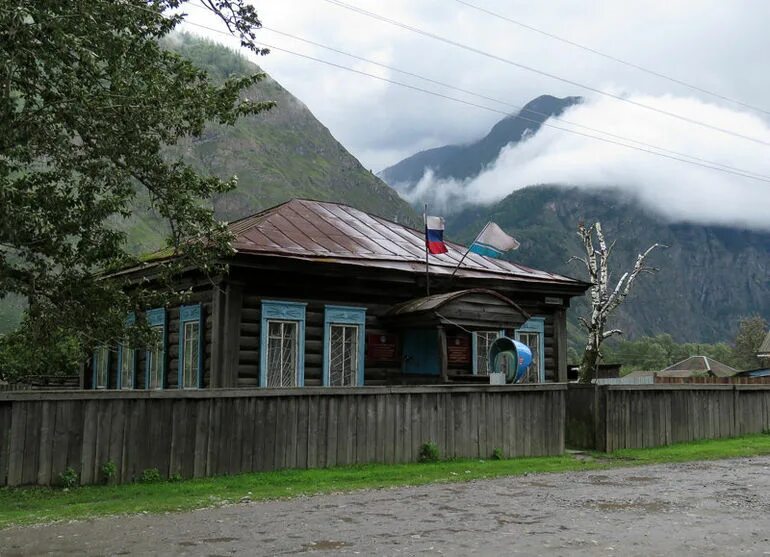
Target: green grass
(35,505)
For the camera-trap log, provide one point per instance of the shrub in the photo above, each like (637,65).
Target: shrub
(69,478)
(429,452)
(175,477)
(108,471)
(151,475)
(497,454)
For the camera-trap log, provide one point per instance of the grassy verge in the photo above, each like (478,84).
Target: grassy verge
(34,505)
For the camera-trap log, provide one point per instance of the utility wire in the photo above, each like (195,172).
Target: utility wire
(709,165)
(540,72)
(506,103)
(610,57)
(742,173)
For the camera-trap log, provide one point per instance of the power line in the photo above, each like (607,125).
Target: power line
(610,57)
(712,166)
(708,164)
(506,103)
(541,72)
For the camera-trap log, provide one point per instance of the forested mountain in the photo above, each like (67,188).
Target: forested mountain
(277,155)
(709,276)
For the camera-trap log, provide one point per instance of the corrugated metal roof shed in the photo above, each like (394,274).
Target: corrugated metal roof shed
(337,233)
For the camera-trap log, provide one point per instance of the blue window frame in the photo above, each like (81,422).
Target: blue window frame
(480,343)
(155,356)
(127,360)
(282,344)
(190,347)
(532,333)
(101,368)
(343,357)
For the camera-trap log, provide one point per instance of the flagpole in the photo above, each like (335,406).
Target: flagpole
(467,252)
(427,270)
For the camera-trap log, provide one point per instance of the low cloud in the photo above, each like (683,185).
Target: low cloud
(678,191)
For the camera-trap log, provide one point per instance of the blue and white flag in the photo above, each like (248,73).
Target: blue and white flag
(493,242)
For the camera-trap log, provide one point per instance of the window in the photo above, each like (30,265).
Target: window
(126,361)
(343,364)
(282,354)
(155,357)
(343,355)
(531,333)
(482,342)
(126,365)
(190,353)
(101,366)
(282,357)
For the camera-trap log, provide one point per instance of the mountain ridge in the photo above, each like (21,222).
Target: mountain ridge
(468,160)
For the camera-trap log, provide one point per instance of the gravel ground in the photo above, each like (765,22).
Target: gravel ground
(702,508)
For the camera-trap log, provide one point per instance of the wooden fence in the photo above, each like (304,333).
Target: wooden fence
(610,417)
(212,432)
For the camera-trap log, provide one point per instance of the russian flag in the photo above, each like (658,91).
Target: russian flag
(434,235)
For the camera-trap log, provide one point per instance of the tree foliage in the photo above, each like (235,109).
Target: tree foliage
(751,332)
(89,98)
(654,353)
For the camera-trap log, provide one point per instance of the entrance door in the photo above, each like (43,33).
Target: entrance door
(420,352)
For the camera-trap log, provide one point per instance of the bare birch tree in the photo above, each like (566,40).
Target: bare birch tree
(604,298)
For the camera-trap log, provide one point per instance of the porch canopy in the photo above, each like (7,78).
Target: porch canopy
(474,309)
(426,322)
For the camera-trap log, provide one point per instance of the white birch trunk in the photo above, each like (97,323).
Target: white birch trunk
(604,299)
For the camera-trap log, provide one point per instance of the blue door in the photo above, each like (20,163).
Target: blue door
(420,352)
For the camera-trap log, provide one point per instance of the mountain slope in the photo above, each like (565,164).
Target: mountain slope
(709,276)
(465,161)
(276,155)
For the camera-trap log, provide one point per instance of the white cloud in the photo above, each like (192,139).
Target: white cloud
(720,46)
(679,191)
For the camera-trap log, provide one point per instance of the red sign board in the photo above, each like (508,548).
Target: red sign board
(381,348)
(458,349)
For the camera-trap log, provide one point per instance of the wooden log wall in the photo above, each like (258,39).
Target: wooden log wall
(202,295)
(377,298)
(637,416)
(211,432)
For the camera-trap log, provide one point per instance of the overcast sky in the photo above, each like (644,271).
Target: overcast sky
(717,45)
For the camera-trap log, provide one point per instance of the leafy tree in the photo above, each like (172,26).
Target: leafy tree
(89,98)
(751,332)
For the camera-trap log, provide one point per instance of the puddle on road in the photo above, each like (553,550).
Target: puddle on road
(325,545)
(644,506)
(598,479)
(641,479)
(220,540)
(535,483)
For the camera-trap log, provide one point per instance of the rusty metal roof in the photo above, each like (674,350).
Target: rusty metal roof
(337,233)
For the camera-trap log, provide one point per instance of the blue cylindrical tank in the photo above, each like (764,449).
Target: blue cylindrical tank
(511,357)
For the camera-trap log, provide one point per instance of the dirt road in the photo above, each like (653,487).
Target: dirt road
(712,508)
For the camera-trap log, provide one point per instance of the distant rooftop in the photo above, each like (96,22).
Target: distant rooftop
(696,365)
